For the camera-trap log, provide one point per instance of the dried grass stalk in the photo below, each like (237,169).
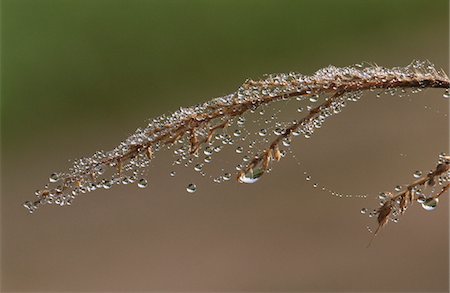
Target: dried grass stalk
(197,126)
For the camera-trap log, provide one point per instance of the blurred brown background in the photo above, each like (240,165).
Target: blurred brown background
(78,76)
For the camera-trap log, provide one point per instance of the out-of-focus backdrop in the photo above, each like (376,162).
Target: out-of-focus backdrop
(78,76)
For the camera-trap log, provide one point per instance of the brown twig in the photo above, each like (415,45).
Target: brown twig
(273,149)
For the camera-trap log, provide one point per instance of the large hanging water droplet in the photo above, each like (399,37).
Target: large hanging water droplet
(142,183)
(430,204)
(54,177)
(252,176)
(191,188)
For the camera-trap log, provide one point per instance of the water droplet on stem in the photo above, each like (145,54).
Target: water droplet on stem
(251,176)
(430,204)
(142,183)
(54,177)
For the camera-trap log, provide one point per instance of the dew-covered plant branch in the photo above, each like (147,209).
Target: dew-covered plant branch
(425,190)
(194,129)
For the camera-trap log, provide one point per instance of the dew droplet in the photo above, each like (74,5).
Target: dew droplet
(239,149)
(100,170)
(382,196)
(430,204)
(398,188)
(308,178)
(172,173)
(278,131)
(29,206)
(191,188)
(54,177)
(252,176)
(142,183)
(417,174)
(226,176)
(208,151)
(262,132)
(314,99)
(363,211)
(237,132)
(107,184)
(198,167)
(421,199)
(447,94)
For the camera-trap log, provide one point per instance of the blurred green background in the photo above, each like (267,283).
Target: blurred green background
(79,63)
(77,76)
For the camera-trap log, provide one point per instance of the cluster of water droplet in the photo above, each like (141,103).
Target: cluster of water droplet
(424,194)
(251,126)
